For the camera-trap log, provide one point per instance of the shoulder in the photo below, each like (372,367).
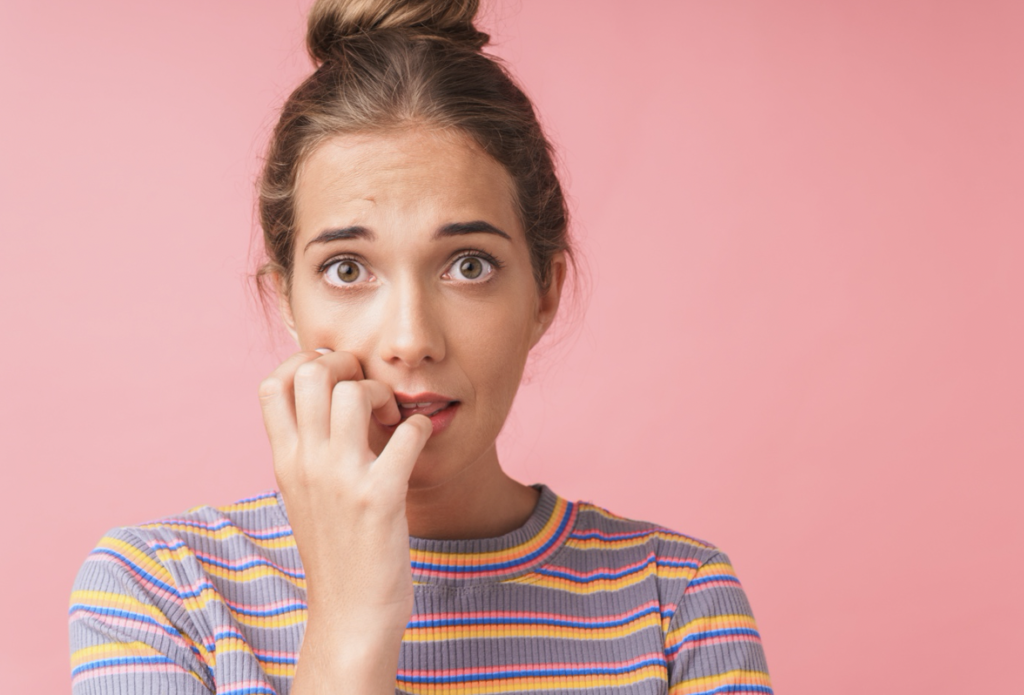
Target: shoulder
(257,518)
(158,554)
(597,528)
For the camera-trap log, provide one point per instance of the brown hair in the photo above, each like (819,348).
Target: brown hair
(390,63)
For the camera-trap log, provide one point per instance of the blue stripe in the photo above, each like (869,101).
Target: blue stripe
(149,577)
(599,575)
(532,672)
(290,608)
(710,634)
(116,613)
(120,661)
(599,535)
(470,569)
(714,578)
(211,560)
(252,690)
(216,526)
(449,622)
(737,688)
(266,659)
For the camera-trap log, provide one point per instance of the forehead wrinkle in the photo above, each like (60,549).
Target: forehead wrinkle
(362,176)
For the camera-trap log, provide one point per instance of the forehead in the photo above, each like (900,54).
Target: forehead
(424,176)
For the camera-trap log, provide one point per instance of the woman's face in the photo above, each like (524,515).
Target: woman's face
(409,254)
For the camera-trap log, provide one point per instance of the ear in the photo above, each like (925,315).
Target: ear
(548,301)
(284,306)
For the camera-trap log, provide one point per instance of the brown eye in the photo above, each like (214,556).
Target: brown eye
(471,268)
(344,272)
(348,271)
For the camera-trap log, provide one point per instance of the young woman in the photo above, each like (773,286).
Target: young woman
(416,240)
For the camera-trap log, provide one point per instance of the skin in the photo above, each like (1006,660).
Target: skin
(406,315)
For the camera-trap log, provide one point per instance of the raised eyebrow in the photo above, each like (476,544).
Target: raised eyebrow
(474,227)
(352,232)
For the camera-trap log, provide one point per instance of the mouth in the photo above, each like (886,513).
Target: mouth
(428,408)
(440,409)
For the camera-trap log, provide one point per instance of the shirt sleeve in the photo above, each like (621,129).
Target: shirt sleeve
(712,644)
(127,625)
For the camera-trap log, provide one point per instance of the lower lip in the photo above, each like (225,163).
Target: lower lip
(441,419)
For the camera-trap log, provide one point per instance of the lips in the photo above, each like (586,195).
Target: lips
(428,409)
(428,404)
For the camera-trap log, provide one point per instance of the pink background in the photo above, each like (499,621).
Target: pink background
(803,226)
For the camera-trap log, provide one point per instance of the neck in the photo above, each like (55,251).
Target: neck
(481,502)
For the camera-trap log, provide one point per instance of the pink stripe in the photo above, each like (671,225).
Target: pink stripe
(235,563)
(720,639)
(124,622)
(569,518)
(577,665)
(623,570)
(128,668)
(527,615)
(153,588)
(717,584)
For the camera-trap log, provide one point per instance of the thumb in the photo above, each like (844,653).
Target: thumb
(400,455)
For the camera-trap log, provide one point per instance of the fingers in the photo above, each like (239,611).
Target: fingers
(314,385)
(352,404)
(314,398)
(402,451)
(278,404)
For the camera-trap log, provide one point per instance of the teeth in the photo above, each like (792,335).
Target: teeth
(415,405)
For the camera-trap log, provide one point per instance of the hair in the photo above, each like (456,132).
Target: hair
(386,64)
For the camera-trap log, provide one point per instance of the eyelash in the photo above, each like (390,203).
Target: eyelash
(464,253)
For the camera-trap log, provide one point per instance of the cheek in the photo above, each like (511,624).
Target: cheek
(495,353)
(347,326)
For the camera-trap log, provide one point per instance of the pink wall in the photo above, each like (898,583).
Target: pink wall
(803,222)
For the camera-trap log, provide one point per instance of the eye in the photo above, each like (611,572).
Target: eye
(472,268)
(344,271)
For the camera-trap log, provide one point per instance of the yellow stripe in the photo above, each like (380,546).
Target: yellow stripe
(715,568)
(715,622)
(457,632)
(585,507)
(106,599)
(268,501)
(233,644)
(224,533)
(111,650)
(604,544)
(115,650)
(535,579)
(472,559)
(700,685)
(138,557)
(513,685)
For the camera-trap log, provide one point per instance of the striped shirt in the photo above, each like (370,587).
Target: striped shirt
(213,601)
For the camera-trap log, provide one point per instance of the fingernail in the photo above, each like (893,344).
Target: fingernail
(324,351)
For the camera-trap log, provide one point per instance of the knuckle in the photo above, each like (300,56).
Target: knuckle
(347,390)
(311,372)
(271,387)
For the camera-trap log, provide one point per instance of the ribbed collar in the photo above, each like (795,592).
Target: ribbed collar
(482,560)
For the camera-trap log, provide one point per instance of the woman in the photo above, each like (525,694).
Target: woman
(416,240)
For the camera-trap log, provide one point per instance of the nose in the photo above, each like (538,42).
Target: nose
(410,331)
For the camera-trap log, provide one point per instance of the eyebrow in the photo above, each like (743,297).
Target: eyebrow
(329,235)
(475,227)
(448,230)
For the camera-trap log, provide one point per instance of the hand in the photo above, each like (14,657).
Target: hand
(346,507)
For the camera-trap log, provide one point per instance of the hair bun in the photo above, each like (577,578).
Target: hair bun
(332,21)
